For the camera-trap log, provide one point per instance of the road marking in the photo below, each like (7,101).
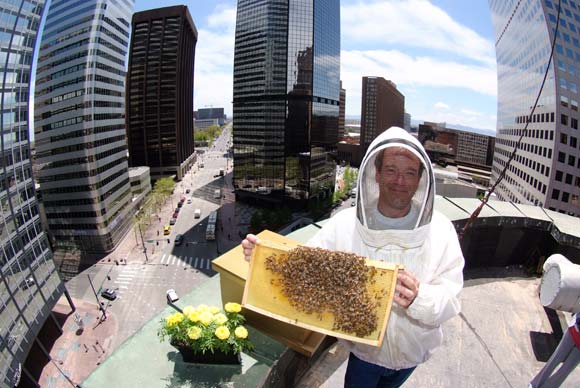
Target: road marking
(189,259)
(172,259)
(163,258)
(208,264)
(195,265)
(124,287)
(121,275)
(122,281)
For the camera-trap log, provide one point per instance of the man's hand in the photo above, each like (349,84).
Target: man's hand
(407,288)
(248,244)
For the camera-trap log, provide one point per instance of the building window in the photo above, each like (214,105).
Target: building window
(569,179)
(561,157)
(571,160)
(563,138)
(564,119)
(555,194)
(565,197)
(559,175)
(574,123)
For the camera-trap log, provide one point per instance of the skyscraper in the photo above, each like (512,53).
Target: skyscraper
(29,283)
(160,91)
(383,106)
(286,99)
(546,169)
(80,123)
(341,113)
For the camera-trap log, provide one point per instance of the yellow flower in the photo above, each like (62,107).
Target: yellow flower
(193,316)
(233,307)
(201,308)
(220,319)
(222,332)
(241,332)
(188,310)
(194,332)
(214,310)
(174,319)
(206,318)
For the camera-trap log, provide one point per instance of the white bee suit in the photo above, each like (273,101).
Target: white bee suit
(429,249)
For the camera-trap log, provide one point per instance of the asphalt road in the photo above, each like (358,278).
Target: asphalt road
(140,283)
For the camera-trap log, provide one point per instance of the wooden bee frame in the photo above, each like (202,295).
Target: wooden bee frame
(261,296)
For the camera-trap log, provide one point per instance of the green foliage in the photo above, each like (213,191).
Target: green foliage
(270,219)
(208,134)
(164,186)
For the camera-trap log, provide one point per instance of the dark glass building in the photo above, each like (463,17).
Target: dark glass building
(29,283)
(286,99)
(546,168)
(159,96)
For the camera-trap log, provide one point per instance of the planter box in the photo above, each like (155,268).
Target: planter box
(217,357)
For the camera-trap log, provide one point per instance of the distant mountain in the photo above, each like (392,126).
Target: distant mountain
(481,131)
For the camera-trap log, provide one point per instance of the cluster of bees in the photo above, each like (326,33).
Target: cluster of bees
(317,280)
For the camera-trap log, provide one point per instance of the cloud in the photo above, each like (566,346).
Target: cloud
(441,105)
(214,60)
(415,72)
(413,23)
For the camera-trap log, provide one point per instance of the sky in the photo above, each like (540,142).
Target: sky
(439,53)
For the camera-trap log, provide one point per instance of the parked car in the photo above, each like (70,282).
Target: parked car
(189,200)
(172,296)
(177,209)
(179,239)
(172,221)
(353,203)
(109,293)
(166,230)
(187,191)
(28,282)
(180,204)
(197,213)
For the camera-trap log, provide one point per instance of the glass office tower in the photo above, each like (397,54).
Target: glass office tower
(286,99)
(546,169)
(80,123)
(29,283)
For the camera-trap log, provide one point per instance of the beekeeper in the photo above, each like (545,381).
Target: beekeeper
(394,221)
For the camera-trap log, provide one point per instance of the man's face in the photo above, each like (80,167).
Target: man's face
(398,179)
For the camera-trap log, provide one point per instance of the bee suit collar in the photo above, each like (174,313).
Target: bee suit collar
(368,194)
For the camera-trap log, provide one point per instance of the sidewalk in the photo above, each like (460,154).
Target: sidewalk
(77,352)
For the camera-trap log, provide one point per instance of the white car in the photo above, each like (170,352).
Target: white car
(172,296)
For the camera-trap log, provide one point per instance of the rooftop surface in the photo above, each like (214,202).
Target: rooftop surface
(502,337)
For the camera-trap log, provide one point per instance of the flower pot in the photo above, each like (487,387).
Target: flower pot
(217,357)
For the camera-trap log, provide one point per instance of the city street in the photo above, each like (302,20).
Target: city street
(140,278)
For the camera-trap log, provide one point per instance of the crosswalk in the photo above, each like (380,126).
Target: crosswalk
(195,262)
(124,279)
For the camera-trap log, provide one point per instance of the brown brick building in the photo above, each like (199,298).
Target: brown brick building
(383,106)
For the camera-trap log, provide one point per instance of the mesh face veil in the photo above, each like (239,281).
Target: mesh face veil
(368,193)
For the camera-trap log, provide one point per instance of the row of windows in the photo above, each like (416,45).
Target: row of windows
(82,146)
(85,188)
(536,118)
(81,174)
(85,159)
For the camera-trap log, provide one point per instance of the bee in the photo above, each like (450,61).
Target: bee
(316,280)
